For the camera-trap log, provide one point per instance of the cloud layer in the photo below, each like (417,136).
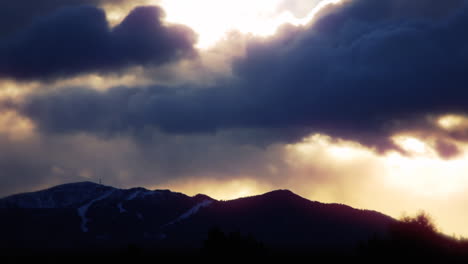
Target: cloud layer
(364,71)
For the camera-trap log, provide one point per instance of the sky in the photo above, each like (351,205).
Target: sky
(359,102)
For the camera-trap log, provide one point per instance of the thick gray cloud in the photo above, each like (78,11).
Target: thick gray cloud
(365,70)
(17,14)
(79,40)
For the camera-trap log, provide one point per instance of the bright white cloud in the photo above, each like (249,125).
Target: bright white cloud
(212,19)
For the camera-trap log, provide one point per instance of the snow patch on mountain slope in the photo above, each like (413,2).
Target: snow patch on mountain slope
(147,193)
(191,211)
(133,195)
(84,209)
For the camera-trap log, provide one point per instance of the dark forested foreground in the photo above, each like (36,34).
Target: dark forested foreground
(410,240)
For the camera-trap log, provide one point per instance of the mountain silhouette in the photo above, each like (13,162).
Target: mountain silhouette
(89,215)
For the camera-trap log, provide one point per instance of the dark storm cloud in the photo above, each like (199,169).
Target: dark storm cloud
(16,14)
(79,40)
(365,70)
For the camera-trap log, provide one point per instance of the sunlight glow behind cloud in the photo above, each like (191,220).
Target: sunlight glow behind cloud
(414,145)
(212,19)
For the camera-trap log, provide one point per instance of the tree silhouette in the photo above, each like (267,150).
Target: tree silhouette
(416,239)
(422,221)
(419,229)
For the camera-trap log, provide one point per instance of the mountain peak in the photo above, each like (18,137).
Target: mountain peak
(202,197)
(84,184)
(282,194)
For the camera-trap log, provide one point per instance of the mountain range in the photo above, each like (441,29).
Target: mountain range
(90,215)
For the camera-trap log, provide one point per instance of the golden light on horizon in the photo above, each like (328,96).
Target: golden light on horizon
(219,189)
(426,176)
(423,172)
